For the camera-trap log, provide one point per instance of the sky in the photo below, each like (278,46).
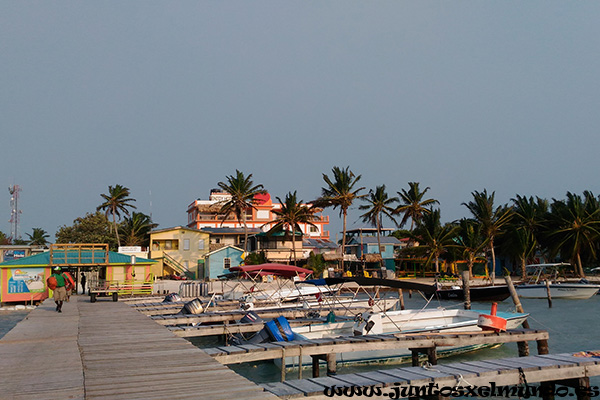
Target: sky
(170,98)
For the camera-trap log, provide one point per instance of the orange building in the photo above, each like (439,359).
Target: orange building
(205,214)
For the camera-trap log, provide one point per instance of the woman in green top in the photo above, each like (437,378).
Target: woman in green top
(60,293)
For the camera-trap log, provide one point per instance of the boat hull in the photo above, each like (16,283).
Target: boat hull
(484,293)
(557,291)
(439,321)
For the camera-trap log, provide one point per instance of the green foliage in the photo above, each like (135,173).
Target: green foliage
(242,190)
(412,205)
(117,201)
(317,263)
(340,192)
(135,230)
(291,214)
(256,258)
(4,240)
(39,237)
(93,228)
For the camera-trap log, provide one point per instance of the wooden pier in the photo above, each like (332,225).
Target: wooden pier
(348,344)
(107,350)
(548,370)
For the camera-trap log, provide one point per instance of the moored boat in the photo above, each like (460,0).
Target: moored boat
(536,287)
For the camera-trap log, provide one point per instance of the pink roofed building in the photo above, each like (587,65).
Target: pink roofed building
(205,214)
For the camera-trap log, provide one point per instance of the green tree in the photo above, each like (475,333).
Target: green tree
(434,237)
(518,243)
(574,226)
(412,205)
(93,228)
(378,205)
(340,193)
(290,215)
(39,237)
(470,241)
(317,263)
(492,220)
(4,240)
(256,258)
(135,230)
(117,201)
(242,190)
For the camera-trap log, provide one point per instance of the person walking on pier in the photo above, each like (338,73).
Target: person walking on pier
(60,292)
(83,283)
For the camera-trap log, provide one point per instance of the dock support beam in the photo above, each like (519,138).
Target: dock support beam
(315,365)
(431,355)
(331,364)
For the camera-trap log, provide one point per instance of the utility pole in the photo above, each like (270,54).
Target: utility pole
(15,213)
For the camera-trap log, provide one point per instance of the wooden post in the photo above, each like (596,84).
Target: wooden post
(515,299)
(415,357)
(401,297)
(315,366)
(432,355)
(523,346)
(548,293)
(542,346)
(282,364)
(467,289)
(300,363)
(331,364)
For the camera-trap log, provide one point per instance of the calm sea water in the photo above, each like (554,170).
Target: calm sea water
(572,325)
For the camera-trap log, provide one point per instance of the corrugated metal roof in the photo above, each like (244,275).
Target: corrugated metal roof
(373,240)
(319,243)
(73,258)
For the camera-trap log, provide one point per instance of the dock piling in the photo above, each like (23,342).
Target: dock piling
(548,293)
(466,278)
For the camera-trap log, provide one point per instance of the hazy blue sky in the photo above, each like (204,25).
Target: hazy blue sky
(170,97)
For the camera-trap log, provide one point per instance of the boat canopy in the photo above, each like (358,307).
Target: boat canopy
(285,270)
(394,283)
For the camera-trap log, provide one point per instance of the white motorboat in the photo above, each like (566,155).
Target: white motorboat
(536,288)
(394,322)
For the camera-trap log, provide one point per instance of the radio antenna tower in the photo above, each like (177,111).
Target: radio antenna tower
(15,213)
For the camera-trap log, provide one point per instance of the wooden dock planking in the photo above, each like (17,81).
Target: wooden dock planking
(537,369)
(109,351)
(237,354)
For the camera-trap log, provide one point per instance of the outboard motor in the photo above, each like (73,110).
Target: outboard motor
(368,324)
(192,307)
(251,318)
(172,298)
(279,330)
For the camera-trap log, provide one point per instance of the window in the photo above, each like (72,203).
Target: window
(186,244)
(226,262)
(201,244)
(314,229)
(382,249)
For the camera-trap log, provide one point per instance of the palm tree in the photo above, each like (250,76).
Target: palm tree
(378,205)
(470,241)
(38,237)
(434,237)
(291,214)
(518,243)
(574,227)
(340,192)
(136,229)
(525,231)
(242,190)
(412,204)
(492,220)
(117,201)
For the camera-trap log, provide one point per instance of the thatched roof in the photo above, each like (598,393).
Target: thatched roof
(371,258)
(332,257)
